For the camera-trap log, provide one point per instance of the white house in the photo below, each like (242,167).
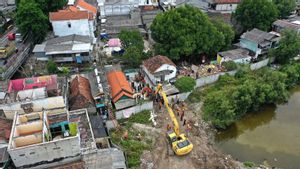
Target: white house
(239,55)
(226,6)
(159,69)
(68,22)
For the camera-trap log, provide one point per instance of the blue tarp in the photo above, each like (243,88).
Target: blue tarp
(99,105)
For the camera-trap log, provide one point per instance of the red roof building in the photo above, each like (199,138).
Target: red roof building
(119,85)
(68,14)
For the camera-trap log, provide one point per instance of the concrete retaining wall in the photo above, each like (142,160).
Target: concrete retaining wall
(135,109)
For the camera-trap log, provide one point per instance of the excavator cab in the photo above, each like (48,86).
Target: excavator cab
(180,145)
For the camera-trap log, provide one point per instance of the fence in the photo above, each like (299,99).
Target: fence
(132,110)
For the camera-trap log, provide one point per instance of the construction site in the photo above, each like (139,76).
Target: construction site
(192,149)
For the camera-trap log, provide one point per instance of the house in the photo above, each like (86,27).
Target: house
(280,25)
(115,23)
(121,91)
(159,69)
(33,94)
(68,22)
(80,94)
(84,6)
(258,42)
(227,6)
(70,48)
(117,8)
(46,139)
(239,55)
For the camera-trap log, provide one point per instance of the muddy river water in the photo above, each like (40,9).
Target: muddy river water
(272,134)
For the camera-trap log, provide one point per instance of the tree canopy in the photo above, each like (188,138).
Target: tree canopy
(256,14)
(185,84)
(285,7)
(185,31)
(132,42)
(31,19)
(50,5)
(131,38)
(289,47)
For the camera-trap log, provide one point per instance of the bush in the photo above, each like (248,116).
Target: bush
(249,164)
(185,84)
(52,67)
(232,97)
(230,65)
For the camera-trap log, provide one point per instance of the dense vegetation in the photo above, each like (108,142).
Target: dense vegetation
(256,14)
(232,97)
(32,16)
(52,67)
(132,42)
(132,146)
(185,84)
(288,47)
(230,65)
(285,7)
(186,31)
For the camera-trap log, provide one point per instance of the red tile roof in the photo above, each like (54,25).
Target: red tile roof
(227,1)
(119,85)
(70,15)
(87,6)
(152,64)
(80,93)
(5,128)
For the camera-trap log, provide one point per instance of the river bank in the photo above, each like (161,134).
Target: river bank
(270,135)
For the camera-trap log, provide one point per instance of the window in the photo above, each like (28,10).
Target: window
(22,155)
(69,24)
(56,148)
(31,153)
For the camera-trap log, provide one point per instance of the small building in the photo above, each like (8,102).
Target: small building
(239,55)
(280,25)
(227,6)
(71,48)
(80,95)
(159,69)
(258,42)
(121,91)
(33,94)
(46,139)
(69,22)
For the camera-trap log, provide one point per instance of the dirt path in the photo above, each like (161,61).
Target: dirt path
(203,155)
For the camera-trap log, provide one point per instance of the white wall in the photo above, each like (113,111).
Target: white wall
(69,147)
(38,105)
(80,27)
(241,60)
(226,7)
(163,67)
(168,67)
(135,109)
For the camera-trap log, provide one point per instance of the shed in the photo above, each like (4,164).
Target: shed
(239,55)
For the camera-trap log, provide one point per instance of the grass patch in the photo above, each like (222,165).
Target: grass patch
(133,147)
(141,117)
(249,164)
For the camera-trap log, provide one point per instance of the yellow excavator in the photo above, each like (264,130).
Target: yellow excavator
(180,144)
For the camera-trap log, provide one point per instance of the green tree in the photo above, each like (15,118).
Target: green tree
(226,31)
(133,56)
(185,32)
(50,5)
(256,14)
(288,47)
(230,65)
(185,84)
(51,66)
(131,38)
(285,7)
(31,19)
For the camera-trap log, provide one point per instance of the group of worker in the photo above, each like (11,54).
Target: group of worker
(180,107)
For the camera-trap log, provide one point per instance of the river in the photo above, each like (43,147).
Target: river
(272,134)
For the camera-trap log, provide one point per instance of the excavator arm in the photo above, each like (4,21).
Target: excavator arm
(159,90)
